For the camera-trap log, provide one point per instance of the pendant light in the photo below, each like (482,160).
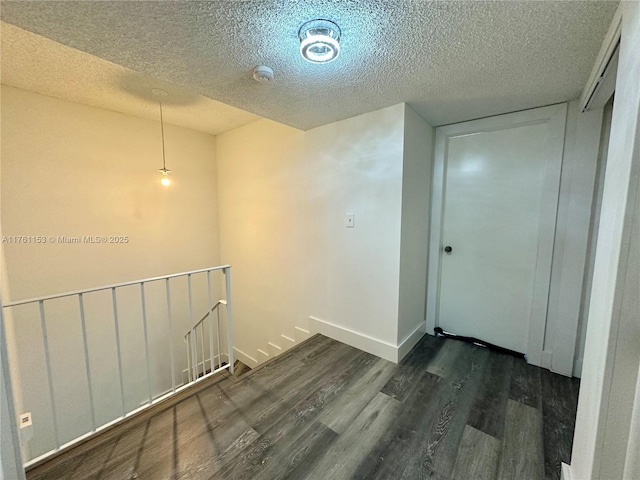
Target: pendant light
(165,180)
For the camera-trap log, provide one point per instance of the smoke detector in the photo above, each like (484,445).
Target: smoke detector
(262,74)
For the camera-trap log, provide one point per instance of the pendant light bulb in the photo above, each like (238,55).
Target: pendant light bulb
(165,180)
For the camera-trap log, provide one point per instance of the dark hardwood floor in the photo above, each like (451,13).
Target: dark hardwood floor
(325,410)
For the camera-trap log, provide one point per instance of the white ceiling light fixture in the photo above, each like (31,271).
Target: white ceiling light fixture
(319,41)
(165,180)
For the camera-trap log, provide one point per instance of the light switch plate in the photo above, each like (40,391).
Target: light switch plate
(350,220)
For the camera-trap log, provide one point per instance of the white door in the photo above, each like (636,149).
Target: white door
(495,209)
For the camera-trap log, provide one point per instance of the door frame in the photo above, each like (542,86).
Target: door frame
(555,116)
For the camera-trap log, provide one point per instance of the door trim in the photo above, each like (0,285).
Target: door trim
(555,116)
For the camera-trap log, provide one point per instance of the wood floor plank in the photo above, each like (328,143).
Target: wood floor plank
(301,457)
(438,442)
(409,372)
(313,355)
(522,451)
(295,419)
(262,401)
(424,440)
(309,349)
(62,470)
(478,456)
(320,413)
(122,451)
(489,408)
(333,377)
(340,415)
(525,384)
(445,358)
(224,437)
(559,405)
(394,447)
(170,442)
(342,459)
(279,456)
(202,429)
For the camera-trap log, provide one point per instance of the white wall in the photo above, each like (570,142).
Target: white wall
(361,173)
(284,195)
(575,202)
(416,207)
(10,459)
(593,239)
(632,461)
(69,170)
(612,351)
(260,205)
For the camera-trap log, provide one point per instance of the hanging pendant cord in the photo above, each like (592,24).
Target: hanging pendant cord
(164,165)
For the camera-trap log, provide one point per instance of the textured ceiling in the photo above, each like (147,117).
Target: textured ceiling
(452,61)
(35,63)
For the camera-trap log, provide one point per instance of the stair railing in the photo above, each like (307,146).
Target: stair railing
(58,443)
(197,359)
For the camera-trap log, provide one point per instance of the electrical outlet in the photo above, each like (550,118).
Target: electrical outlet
(24,420)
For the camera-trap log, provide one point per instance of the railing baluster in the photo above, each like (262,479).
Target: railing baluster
(117,329)
(45,339)
(218,335)
(173,367)
(178,384)
(211,351)
(146,340)
(86,360)
(227,272)
(189,369)
(204,365)
(194,351)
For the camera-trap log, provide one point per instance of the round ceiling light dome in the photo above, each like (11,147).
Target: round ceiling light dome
(319,41)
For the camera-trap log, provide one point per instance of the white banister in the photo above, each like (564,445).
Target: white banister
(124,345)
(191,339)
(115,285)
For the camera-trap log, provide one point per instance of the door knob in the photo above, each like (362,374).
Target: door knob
(448,249)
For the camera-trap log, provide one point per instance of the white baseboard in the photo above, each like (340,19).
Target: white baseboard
(301,334)
(274,349)
(358,340)
(565,474)
(263,356)
(411,340)
(248,360)
(289,342)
